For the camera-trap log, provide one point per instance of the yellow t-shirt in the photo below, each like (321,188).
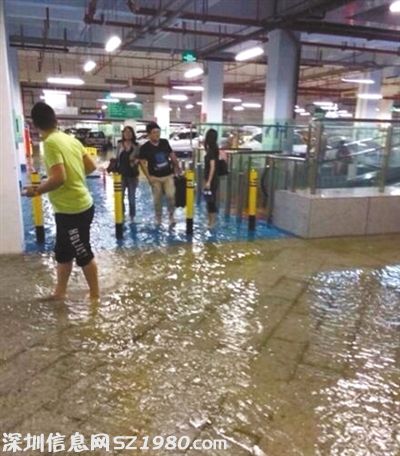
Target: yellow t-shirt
(73,196)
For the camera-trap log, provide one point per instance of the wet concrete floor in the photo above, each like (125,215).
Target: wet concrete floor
(282,347)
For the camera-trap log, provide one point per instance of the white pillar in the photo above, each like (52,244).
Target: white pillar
(18,110)
(11,226)
(283,51)
(161,109)
(368,109)
(212,107)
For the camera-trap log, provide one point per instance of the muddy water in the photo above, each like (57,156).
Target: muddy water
(281,347)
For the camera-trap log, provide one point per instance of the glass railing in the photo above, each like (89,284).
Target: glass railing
(335,155)
(281,136)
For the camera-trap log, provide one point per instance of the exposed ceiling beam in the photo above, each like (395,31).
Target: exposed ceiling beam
(353,31)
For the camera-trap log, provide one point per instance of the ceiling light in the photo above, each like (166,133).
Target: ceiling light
(108,100)
(175,97)
(232,100)
(299,110)
(200,103)
(323,103)
(191,88)
(66,81)
(134,103)
(89,66)
(189,106)
(56,92)
(192,73)
(113,43)
(249,53)
(123,95)
(395,7)
(358,81)
(238,108)
(251,105)
(104,107)
(346,114)
(370,96)
(305,114)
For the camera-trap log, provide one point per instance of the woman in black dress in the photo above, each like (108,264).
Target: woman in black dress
(211,175)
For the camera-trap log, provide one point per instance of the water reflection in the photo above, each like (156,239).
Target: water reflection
(210,340)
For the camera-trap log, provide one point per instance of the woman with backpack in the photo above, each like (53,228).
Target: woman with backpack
(211,161)
(128,167)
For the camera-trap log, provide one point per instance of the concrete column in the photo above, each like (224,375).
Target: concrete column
(283,51)
(11,226)
(212,107)
(161,109)
(18,110)
(368,109)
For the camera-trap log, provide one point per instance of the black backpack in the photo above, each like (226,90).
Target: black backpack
(222,167)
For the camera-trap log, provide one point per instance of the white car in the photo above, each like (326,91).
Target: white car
(184,142)
(299,147)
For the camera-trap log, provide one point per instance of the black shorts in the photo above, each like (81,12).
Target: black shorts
(73,237)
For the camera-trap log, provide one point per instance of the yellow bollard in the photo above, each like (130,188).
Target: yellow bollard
(119,216)
(92,152)
(37,209)
(189,201)
(253,179)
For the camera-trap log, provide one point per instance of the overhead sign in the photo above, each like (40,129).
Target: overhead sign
(125,111)
(189,56)
(89,111)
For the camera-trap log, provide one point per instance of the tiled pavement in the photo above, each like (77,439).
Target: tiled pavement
(283,347)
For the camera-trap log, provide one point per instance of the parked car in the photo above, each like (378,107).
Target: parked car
(184,142)
(96,139)
(81,134)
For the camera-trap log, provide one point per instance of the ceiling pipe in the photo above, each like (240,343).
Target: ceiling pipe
(262,37)
(184,31)
(204,17)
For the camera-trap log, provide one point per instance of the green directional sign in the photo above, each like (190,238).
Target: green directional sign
(125,111)
(189,56)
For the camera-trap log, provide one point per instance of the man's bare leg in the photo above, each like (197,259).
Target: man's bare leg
(91,276)
(63,273)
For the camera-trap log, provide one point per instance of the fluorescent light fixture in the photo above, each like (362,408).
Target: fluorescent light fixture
(123,95)
(189,106)
(190,88)
(134,103)
(66,81)
(238,108)
(323,103)
(249,53)
(175,97)
(194,72)
(200,103)
(89,66)
(108,100)
(395,7)
(358,80)
(370,96)
(104,107)
(232,100)
(56,92)
(113,43)
(251,105)
(346,114)
(305,114)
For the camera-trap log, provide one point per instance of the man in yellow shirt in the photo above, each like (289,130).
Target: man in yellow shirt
(67,165)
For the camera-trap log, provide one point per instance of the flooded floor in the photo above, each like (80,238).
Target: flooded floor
(281,347)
